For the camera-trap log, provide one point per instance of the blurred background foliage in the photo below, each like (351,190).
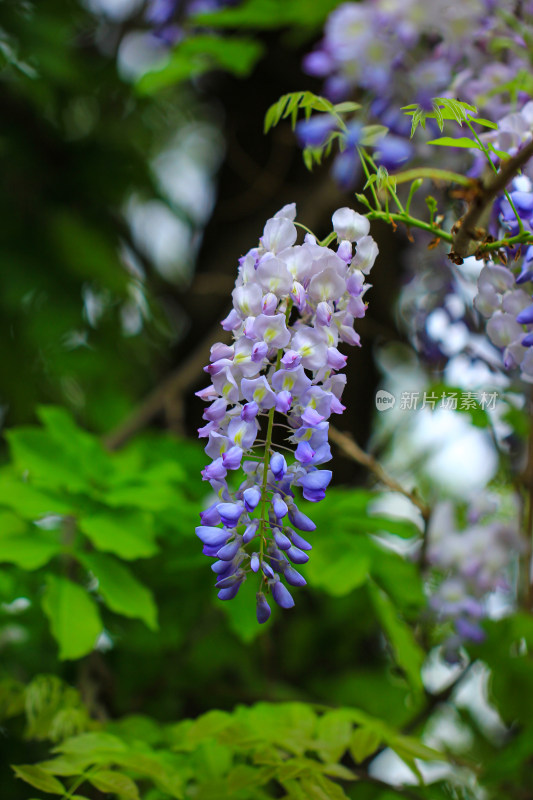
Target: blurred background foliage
(135,174)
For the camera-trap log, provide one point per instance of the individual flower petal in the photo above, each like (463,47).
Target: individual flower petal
(300,521)
(293,577)
(242,433)
(229,594)
(279,233)
(327,286)
(278,465)
(350,225)
(281,595)
(249,411)
(211,536)
(299,541)
(282,541)
(250,532)
(312,348)
(230,513)
(272,330)
(283,402)
(263,610)
(279,506)
(230,550)
(274,276)
(297,556)
(251,497)
(232,458)
(248,300)
(258,391)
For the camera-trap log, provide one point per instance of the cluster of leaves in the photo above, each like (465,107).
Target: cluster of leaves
(253,751)
(290,104)
(71,507)
(207,46)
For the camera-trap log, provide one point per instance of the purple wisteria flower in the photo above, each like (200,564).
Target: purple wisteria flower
(474,562)
(293,304)
(395,53)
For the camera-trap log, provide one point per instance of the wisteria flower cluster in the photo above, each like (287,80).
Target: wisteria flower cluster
(509,310)
(504,295)
(403,52)
(370,45)
(474,562)
(292,306)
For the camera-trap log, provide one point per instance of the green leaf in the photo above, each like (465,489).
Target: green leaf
(81,445)
(128,534)
(201,53)
(289,104)
(65,766)
(364,742)
(74,618)
(321,788)
(145,496)
(503,154)
(269,14)
(107,780)
(485,122)
(340,564)
(28,552)
(245,777)
(407,652)
(348,106)
(121,590)
(334,731)
(11,526)
(38,778)
(212,759)
(25,545)
(29,501)
(399,578)
(94,745)
(461,141)
(36,453)
(207,726)
(408,747)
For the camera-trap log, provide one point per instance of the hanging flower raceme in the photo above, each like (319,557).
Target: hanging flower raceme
(292,306)
(474,562)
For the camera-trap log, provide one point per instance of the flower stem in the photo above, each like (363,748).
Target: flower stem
(266,458)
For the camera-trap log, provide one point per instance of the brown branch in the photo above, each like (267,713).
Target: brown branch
(175,384)
(469,232)
(345,443)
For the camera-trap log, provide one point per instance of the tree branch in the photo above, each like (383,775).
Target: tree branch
(345,443)
(176,383)
(469,231)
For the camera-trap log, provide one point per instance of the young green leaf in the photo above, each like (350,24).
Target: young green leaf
(127,534)
(39,779)
(111,782)
(461,141)
(407,652)
(74,618)
(120,589)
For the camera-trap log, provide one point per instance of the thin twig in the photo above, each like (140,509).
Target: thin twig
(345,442)
(175,384)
